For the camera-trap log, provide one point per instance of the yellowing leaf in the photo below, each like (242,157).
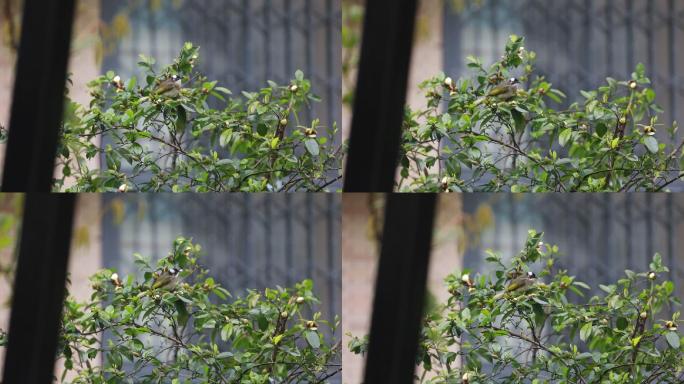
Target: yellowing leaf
(277,338)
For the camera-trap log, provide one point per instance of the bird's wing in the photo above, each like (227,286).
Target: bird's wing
(496,91)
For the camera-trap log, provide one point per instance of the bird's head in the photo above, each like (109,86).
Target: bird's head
(531,275)
(513,81)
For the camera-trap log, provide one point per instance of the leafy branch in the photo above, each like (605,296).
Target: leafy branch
(502,130)
(176,131)
(529,322)
(194,330)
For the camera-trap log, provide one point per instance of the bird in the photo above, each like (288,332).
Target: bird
(519,284)
(503,92)
(169,87)
(167,279)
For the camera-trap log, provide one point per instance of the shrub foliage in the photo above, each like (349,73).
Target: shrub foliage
(550,333)
(194,137)
(195,332)
(473,137)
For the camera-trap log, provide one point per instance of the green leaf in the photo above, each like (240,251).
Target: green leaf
(672,339)
(607,288)
(262,321)
(313,339)
(581,285)
(131,83)
(224,139)
(226,331)
(601,129)
(261,129)
(621,323)
(588,95)
(181,119)
(564,137)
(183,314)
(312,146)
(585,331)
(520,121)
(277,338)
(651,144)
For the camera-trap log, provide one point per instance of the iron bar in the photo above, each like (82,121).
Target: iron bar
(400,288)
(380,95)
(39,288)
(38,97)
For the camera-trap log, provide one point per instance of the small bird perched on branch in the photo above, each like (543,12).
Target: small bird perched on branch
(502,92)
(169,87)
(167,279)
(519,284)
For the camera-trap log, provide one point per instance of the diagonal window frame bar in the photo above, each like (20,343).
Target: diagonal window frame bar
(39,288)
(380,95)
(38,95)
(400,288)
